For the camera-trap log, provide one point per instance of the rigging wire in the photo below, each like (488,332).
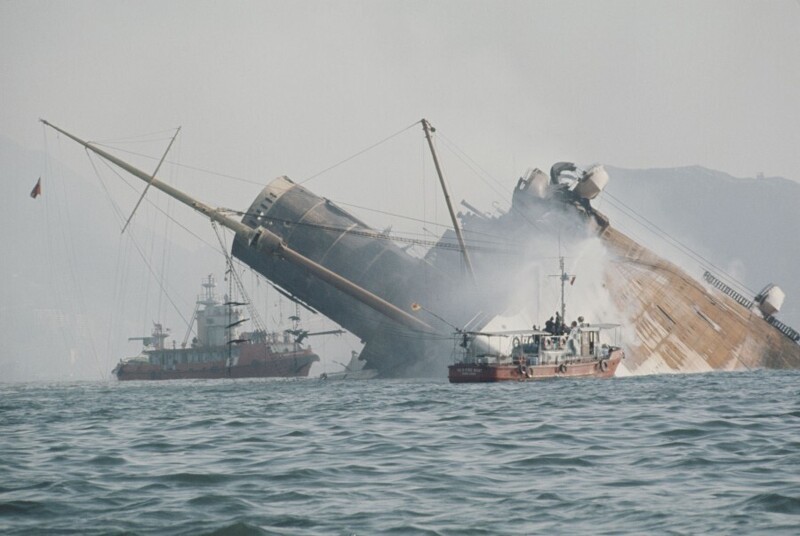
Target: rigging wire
(255,317)
(359,153)
(159,209)
(137,137)
(373,234)
(418,220)
(174,163)
(55,289)
(240,179)
(165,252)
(258,276)
(64,243)
(458,152)
(620,205)
(133,240)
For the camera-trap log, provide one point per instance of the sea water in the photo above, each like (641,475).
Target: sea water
(715,453)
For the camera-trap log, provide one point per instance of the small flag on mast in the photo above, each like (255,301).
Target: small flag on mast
(572,280)
(37,190)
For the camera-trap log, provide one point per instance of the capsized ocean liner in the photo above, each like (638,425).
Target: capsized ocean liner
(219,350)
(335,263)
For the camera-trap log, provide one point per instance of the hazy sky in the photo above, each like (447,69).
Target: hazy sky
(267,88)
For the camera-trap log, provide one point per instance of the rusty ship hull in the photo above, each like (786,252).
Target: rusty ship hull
(489,373)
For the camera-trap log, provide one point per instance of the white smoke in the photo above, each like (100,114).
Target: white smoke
(530,279)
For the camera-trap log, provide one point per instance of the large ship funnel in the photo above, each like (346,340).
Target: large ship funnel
(263,243)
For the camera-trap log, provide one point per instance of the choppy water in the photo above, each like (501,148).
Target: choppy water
(713,453)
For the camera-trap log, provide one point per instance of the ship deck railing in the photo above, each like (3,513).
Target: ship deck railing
(783,328)
(716,283)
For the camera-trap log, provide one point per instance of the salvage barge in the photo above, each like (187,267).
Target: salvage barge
(219,350)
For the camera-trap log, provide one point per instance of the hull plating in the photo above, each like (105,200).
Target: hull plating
(487,373)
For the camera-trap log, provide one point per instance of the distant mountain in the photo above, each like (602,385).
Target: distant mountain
(747,227)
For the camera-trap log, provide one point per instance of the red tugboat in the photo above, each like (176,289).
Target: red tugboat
(535,355)
(560,351)
(219,350)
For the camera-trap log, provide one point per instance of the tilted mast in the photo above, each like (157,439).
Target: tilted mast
(264,241)
(428,129)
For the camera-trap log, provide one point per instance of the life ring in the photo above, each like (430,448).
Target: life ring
(523,370)
(562,368)
(530,372)
(603,365)
(515,342)
(548,343)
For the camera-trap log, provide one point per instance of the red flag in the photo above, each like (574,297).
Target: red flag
(572,280)
(37,190)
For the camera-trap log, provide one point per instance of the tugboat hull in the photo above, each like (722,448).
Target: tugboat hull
(489,372)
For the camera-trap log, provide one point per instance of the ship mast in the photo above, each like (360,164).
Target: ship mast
(266,242)
(563,280)
(564,277)
(426,126)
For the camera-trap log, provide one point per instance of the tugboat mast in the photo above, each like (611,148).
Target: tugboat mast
(564,277)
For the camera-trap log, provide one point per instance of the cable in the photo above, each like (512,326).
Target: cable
(171,162)
(359,153)
(136,245)
(681,247)
(457,152)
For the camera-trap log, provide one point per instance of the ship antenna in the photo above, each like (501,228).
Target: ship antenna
(426,126)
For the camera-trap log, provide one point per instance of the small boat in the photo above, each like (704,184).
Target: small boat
(354,370)
(559,351)
(535,355)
